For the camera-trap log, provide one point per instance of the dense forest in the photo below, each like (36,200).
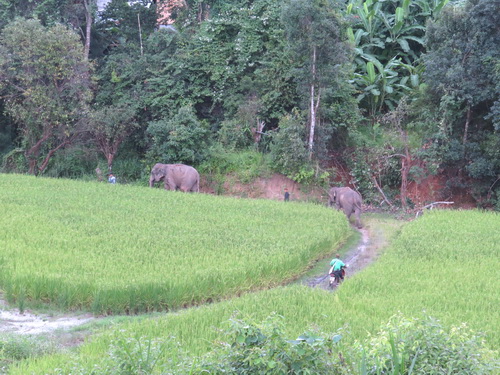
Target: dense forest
(391,91)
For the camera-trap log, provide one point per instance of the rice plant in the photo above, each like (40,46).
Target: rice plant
(124,249)
(442,265)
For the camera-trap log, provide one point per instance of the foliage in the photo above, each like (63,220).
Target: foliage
(182,139)
(14,348)
(315,38)
(377,164)
(234,135)
(46,85)
(7,132)
(76,246)
(237,132)
(245,165)
(388,37)
(233,58)
(424,346)
(123,25)
(253,348)
(49,12)
(288,149)
(73,162)
(130,356)
(461,73)
(110,126)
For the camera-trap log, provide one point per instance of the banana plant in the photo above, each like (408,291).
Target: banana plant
(387,37)
(381,85)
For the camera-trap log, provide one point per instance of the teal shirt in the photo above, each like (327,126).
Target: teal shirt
(338,264)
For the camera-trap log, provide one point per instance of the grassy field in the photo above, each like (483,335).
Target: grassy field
(124,249)
(444,264)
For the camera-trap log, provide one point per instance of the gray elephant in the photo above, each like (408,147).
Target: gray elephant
(176,177)
(347,200)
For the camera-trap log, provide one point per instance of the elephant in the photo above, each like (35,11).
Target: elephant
(176,177)
(348,200)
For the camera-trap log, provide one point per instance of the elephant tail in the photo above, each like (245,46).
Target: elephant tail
(197,185)
(357,205)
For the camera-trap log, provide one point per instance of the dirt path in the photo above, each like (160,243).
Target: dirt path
(26,323)
(374,238)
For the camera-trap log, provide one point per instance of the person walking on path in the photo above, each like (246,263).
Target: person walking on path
(336,270)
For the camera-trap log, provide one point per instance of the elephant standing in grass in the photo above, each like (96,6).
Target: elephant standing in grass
(176,177)
(347,200)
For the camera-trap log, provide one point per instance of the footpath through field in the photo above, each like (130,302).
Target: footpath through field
(361,250)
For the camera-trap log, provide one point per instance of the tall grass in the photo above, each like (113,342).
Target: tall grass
(445,264)
(115,249)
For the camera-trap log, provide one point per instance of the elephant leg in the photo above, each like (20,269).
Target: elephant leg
(357,215)
(348,213)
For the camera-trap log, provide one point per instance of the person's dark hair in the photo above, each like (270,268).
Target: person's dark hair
(337,255)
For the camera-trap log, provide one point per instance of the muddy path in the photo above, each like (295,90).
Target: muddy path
(374,237)
(370,242)
(28,323)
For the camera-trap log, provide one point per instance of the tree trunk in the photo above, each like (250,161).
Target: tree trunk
(467,122)
(51,153)
(88,27)
(109,157)
(312,125)
(405,169)
(34,151)
(140,33)
(405,166)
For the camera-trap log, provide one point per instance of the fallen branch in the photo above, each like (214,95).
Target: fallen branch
(381,192)
(430,206)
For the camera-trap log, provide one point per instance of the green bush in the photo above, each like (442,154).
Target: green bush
(234,135)
(15,348)
(288,150)
(263,349)
(245,165)
(181,139)
(424,346)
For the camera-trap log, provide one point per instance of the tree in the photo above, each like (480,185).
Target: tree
(46,85)
(288,149)
(110,126)
(462,65)
(314,35)
(182,139)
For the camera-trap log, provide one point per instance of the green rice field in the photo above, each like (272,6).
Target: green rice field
(125,249)
(425,271)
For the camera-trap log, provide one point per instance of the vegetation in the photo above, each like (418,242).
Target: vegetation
(14,348)
(427,272)
(74,248)
(393,92)
(380,94)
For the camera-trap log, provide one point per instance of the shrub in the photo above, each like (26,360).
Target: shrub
(16,348)
(424,346)
(262,348)
(288,150)
(182,139)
